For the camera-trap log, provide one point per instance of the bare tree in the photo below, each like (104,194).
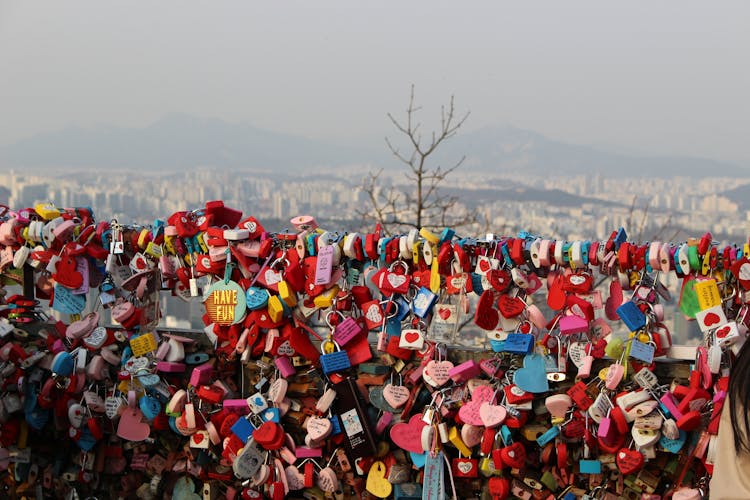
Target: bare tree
(420,203)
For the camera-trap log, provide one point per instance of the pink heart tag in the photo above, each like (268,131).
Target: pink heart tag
(395,395)
(408,436)
(319,428)
(492,415)
(470,412)
(131,428)
(437,373)
(471,435)
(294,478)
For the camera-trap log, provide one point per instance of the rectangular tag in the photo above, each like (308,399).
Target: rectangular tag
(432,483)
(350,409)
(324,265)
(143,344)
(708,293)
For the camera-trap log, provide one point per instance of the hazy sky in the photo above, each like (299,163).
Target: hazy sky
(666,77)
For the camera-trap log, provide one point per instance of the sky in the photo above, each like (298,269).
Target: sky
(666,78)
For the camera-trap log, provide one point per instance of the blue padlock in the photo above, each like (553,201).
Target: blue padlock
(518,343)
(632,316)
(335,361)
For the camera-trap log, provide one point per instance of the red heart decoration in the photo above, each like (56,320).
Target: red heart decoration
(411,336)
(444,313)
(510,307)
(198,438)
(614,300)
(711,319)
(484,265)
(723,331)
(629,461)
(499,279)
(66,274)
(266,434)
(499,487)
(514,455)
(555,295)
(486,316)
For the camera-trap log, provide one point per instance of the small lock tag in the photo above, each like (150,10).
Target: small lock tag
(642,351)
(411,339)
(345,331)
(423,302)
(548,436)
(518,343)
(646,378)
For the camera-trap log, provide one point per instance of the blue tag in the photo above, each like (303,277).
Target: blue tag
(497,345)
(404,308)
(673,445)
(150,407)
(86,442)
(532,377)
(506,435)
(620,237)
(270,415)
(418,459)
(256,298)
(243,429)
(476,283)
(393,327)
(518,343)
(335,425)
(65,301)
(548,436)
(432,482)
(446,235)
(63,364)
(590,466)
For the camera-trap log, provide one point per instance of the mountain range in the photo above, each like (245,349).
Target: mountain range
(185,141)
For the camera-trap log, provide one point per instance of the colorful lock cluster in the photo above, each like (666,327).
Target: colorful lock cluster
(329,366)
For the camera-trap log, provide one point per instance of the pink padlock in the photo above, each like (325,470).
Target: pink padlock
(285,366)
(465,371)
(201,375)
(167,367)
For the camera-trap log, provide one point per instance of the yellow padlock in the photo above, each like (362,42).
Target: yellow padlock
(47,211)
(275,308)
(455,438)
(325,299)
(287,294)
(434,277)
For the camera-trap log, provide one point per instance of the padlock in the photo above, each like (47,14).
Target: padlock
(333,358)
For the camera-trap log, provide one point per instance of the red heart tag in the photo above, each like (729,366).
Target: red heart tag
(66,273)
(555,295)
(486,316)
(510,307)
(499,279)
(629,461)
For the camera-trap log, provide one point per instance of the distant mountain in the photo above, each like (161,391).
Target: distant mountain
(185,141)
(501,148)
(739,195)
(176,141)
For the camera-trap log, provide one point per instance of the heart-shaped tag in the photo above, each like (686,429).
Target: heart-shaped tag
(629,461)
(533,376)
(576,352)
(327,480)
(150,406)
(66,273)
(471,435)
(514,455)
(486,316)
(318,428)
(377,484)
(377,399)
(470,412)
(673,445)
(437,373)
(492,415)
(408,436)
(510,307)
(294,478)
(131,427)
(184,489)
(396,395)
